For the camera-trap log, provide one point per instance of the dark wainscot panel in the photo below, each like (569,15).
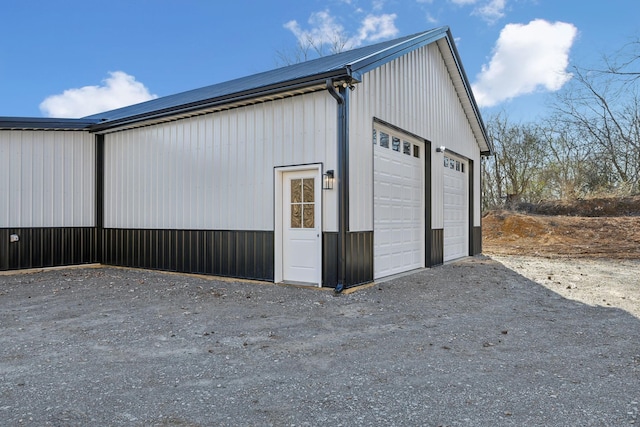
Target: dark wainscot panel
(329,259)
(47,247)
(476,246)
(358,257)
(230,253)
(437,247)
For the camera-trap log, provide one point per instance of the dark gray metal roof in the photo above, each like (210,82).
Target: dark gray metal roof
(345,66)
(26,123)
(348,65)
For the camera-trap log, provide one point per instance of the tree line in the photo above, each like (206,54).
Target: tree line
(589,146)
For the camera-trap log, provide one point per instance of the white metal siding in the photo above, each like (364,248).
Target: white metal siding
(47,179)
(215,171)
(415,93)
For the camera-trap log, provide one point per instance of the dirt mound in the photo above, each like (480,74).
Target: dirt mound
(592,207)
(517,233)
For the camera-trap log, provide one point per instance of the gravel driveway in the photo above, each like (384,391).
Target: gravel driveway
(471,343)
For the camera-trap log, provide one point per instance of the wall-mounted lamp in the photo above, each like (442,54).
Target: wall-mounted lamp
(327,180)
(440,149)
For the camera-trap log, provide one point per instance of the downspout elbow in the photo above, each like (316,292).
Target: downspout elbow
(332,90)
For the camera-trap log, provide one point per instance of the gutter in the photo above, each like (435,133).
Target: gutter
(343,180)
(292,85)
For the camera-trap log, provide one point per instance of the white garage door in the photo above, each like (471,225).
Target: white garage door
(456,208)
(398,194)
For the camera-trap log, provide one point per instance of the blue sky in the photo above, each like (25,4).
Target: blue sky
(71,58)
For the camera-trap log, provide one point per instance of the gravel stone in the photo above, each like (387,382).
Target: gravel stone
(478,342)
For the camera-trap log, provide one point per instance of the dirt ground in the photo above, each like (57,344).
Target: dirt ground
(517,233)
(586,250)
(597,282)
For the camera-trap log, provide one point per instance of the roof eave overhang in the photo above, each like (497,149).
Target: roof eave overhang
(41,123)
(301,85)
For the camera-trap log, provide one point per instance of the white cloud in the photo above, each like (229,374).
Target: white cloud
(378,4)
(463,2)
(491,11)
(374,28)
(326,31)
(431,19)
(119,89)
(526,58)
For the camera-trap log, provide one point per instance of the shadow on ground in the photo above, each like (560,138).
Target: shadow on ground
(470,343)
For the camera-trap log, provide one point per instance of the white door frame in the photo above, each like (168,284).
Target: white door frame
(279,173)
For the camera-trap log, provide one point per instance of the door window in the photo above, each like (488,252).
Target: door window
(303,203)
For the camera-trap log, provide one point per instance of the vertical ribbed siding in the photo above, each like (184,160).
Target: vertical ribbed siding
(329,260)
(47,179)
(437,247)
(359,259)
(215,171)
(476,239)
(415,93)
(476,163)
(241,254)
(47,247)
(428,203)
(470,216)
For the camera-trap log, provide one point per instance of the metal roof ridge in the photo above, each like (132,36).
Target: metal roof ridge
(442,30)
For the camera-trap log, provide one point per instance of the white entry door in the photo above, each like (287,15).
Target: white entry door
(301,210)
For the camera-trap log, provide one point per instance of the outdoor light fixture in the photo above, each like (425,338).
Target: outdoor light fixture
(440,149)
(351,86)
(327,180)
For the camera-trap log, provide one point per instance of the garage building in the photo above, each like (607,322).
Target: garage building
(332,172)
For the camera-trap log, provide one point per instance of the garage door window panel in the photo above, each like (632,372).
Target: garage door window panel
(384,140)
(395,143)
(406,148)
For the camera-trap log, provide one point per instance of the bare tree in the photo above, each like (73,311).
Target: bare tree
(625,63)
(606,113)
(309,47)
(296,55)
(591,144)
(514,174)
(568,170)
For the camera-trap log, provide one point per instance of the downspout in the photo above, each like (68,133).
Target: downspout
(343,182)
(99,200)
